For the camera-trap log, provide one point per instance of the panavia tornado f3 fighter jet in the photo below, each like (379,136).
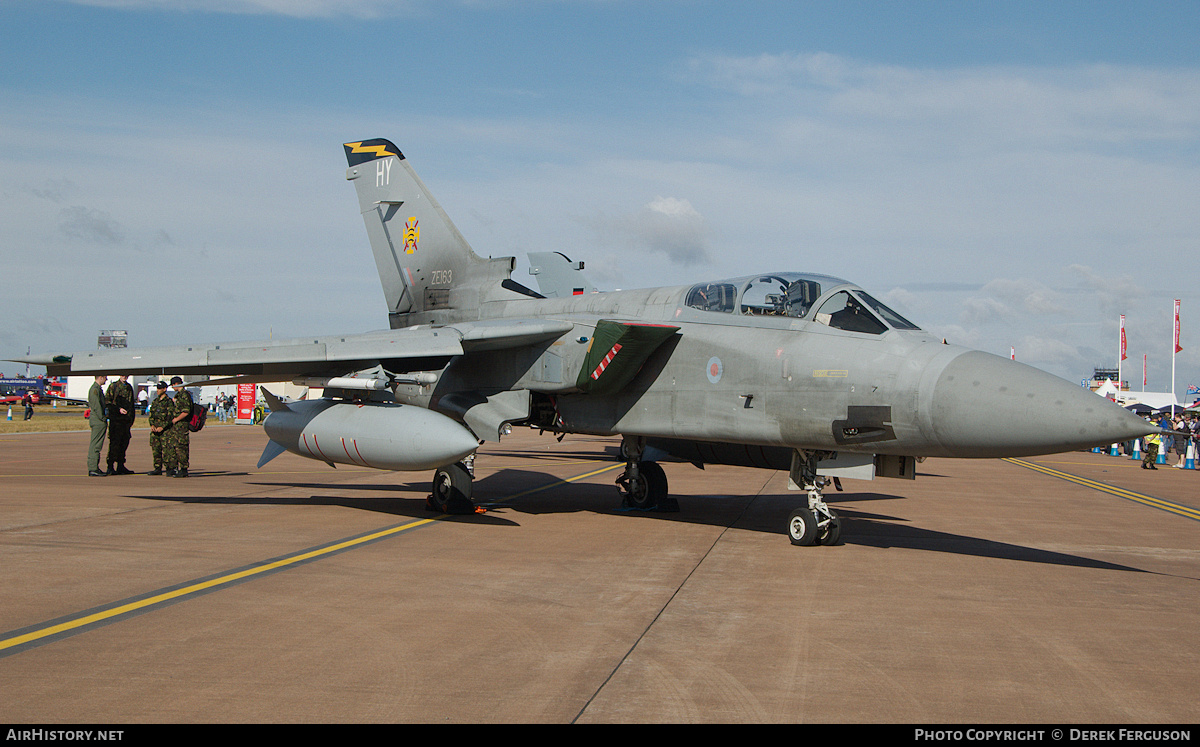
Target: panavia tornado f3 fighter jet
(784,370)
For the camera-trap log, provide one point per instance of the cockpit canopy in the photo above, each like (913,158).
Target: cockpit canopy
(799,296)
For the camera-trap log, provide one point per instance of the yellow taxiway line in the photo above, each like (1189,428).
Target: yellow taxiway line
(1130,495)
(76,623)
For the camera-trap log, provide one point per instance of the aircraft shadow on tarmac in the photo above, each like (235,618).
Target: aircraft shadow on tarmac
(508,491)
(401,505)
(608,455)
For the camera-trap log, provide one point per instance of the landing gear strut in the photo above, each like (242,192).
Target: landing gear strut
(816,523)
(452,488)
(643,485)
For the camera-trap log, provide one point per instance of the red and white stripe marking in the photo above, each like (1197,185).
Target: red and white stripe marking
(604,363)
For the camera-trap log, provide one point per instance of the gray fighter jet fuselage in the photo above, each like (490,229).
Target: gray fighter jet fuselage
(781,381)
(800,372)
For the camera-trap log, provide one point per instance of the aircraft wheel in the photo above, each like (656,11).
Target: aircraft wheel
(452,488)
(650,487)
(831,533)
(802,527)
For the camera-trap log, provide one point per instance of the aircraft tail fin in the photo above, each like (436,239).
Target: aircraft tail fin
(558,275)
(419,253)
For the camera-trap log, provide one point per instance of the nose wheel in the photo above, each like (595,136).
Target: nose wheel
(802,527)
(813,527)
(816,523)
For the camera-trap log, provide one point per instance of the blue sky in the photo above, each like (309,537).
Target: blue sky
(1007,174)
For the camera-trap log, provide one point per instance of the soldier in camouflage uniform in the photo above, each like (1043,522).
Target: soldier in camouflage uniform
(160,421)
(177,436)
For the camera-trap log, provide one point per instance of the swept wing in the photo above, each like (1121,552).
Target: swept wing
(265,360)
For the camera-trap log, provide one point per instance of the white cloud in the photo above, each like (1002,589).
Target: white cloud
(672,226)
(1116,294)
(669,226)
(1028,296)
(1004,164)
(980,311)
(1053,353)
(1098,102)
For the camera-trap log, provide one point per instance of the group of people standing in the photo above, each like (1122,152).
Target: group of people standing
(1176,434)
(224,405)
(113,412)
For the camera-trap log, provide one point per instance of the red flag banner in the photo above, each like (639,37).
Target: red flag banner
(1177,348)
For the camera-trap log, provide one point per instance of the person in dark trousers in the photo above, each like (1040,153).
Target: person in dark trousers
(122,402)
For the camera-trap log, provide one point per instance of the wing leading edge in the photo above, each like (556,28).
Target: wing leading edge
(308,356)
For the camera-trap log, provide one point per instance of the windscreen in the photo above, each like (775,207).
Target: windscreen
(843,311)
(892,318)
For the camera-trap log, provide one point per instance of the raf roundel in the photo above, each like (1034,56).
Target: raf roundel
(715,369)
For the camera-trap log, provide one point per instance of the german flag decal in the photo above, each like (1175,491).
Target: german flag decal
(370,150)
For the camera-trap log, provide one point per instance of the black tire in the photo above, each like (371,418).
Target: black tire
(650,489)
(452,488)
(831,533)
(802,527)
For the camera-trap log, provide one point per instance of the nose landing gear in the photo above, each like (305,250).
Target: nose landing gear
(816,523)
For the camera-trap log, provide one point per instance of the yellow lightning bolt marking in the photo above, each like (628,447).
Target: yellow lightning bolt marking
(379,150)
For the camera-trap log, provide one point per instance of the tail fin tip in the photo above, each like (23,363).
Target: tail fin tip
(370,150)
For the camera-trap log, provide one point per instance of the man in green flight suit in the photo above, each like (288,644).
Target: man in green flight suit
(177,436)
(98,420)
(160,421)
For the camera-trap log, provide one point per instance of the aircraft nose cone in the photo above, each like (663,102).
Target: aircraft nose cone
(987,406)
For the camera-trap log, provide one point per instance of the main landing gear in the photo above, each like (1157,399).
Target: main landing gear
(816,523)
(643,485)
(452,488)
